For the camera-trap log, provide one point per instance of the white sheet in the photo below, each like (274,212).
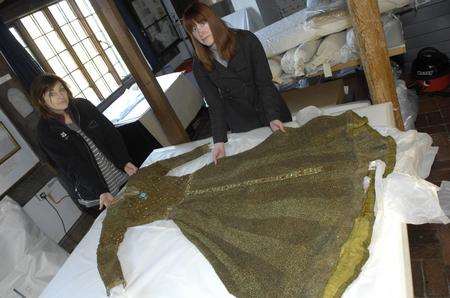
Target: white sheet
(28,258)
(131,106)
(158,261)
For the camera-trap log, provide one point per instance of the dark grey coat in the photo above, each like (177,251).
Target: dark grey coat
(241,96)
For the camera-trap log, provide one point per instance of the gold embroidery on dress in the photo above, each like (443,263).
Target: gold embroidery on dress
(295,174)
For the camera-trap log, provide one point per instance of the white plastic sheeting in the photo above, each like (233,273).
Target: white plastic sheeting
(295,29)
(29,259)
(158,261)
(328,51)
(409,104)
(293,61)
(444,197)
(245,19)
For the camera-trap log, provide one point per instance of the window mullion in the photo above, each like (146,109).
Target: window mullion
(94,39)
(61,35)
(32,45)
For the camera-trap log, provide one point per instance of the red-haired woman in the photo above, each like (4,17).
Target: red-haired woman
(232,71)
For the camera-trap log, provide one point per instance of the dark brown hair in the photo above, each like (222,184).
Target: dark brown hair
(224,38)
(40,86)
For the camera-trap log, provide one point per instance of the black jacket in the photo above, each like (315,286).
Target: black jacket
(242,96)
(71,155)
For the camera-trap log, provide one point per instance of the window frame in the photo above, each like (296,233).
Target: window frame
(122,84)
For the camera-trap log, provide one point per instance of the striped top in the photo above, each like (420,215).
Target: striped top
(114,177)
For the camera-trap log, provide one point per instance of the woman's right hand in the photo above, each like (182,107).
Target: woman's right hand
(218,151)
(106,200)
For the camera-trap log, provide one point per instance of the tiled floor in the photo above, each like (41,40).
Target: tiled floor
(430,243)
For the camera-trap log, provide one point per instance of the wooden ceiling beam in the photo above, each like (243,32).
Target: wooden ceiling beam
(14,10)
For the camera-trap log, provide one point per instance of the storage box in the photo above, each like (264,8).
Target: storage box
(320,95)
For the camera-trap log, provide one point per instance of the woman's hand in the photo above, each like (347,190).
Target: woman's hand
(106,200)
(130,169)
(277,125)
(218,151)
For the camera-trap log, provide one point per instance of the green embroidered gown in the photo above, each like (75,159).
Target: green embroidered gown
(287,218)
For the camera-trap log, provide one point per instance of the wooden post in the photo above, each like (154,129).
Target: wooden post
(374,54)
(140,69)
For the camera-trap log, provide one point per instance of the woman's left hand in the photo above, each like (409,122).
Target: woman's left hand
(130,169)
(277,125)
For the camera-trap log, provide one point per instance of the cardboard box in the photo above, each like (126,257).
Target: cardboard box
(320,95)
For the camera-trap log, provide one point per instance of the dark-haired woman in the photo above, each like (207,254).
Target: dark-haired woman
(232,71)
(82,144)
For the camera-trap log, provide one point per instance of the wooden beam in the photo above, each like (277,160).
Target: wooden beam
(14,10)
(140,69)
(374,54)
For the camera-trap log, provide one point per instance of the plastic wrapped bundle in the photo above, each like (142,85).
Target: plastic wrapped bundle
(303,54)
(328,52)
(294,60)
(311,23)
(393,30)
(275,69)
(409,104)
(287,62)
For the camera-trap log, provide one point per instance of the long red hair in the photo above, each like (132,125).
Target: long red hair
(224,37)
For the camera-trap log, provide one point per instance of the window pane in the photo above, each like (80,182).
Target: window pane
(101,65)
(66,57)
(80,79)
(31,27)
(56,42)
(91,96)
(57,14)
(122,64)
(42,22)
(57,66)
(72,85)
(78,29)
(112,56)
(85,7)
(103,87)
(122,70)
(67,11)
(17,36)
(44,47)
(111,82)
(69,34)
(92,70)
(89,46)
(93,24)
(81,53)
